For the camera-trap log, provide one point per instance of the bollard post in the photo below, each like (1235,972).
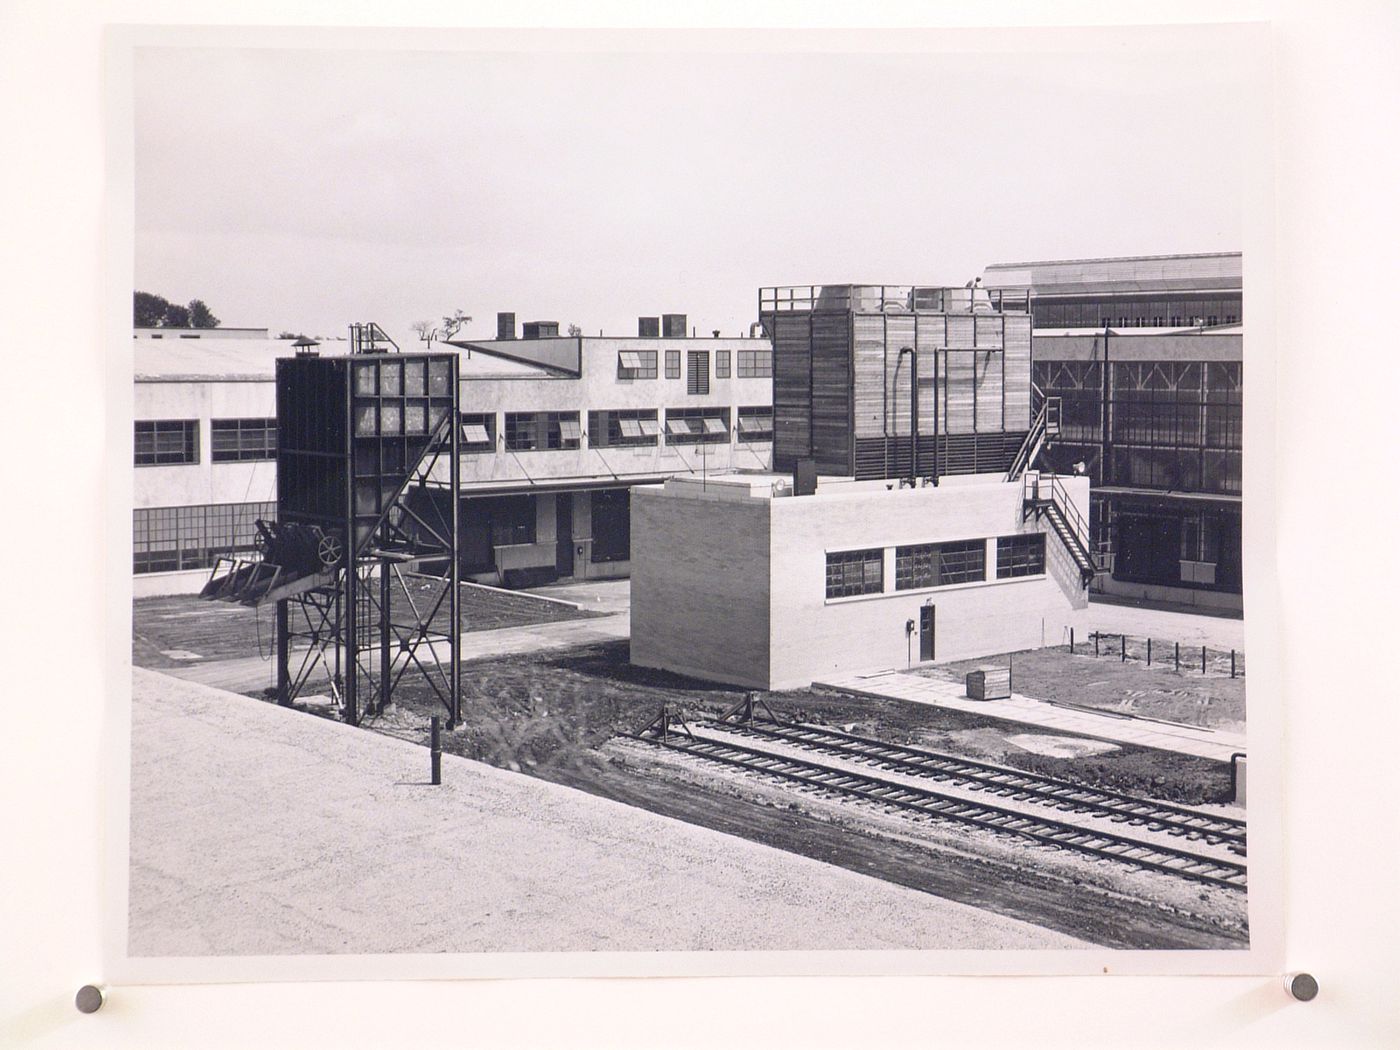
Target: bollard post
(1122,648)
(437,750)
(1203,659)
(1232,663)
(1096,643)
(1071,641)
(1177,650)
(1149,651)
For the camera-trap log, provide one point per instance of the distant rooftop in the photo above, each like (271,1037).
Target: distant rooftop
(200,333)
(1205,272)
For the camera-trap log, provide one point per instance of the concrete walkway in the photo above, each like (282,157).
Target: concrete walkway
(256,830)
(250,673)
(1024,710)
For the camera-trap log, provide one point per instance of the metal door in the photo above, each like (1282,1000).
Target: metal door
(927,621)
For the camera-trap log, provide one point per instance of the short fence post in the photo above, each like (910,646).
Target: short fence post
(1122,648)
(437,750)
(1096,643)
(1149,652)
(1232,663)
(1071,640)
(1203,659)
(1177,647)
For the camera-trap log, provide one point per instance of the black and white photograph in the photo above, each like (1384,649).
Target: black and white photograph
(551,538)
(699,525)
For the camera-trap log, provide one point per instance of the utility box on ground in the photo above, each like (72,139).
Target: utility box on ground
(989,683)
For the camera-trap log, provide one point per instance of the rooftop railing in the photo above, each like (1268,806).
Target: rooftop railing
(890,298)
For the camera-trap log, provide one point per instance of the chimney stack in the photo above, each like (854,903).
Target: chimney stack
(505,326)
(649,327)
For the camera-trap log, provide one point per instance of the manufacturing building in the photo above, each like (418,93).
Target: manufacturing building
(910,529)
(1145,355)
(556,430)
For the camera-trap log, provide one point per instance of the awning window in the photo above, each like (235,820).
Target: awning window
(650,427)
(754,424)
(714,425)
(475,434)
(568,429)
(630,359)
(631,428)
(678,426)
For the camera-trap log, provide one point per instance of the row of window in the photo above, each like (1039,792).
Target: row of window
(168,539)
(923,565)
(176,441)
(1176,312)
(642,364)
(614,428)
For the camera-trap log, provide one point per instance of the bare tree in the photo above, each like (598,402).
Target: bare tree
(575,330)
(424,330)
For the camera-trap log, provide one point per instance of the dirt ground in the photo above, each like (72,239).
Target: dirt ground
(1107,683)
(194,629)
(558,716)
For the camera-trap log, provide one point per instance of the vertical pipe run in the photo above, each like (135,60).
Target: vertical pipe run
(386,657)
(284,689)
(1122,648)
(1071,641)
(454,552)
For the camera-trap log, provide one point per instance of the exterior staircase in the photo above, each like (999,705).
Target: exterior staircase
(1045,424)
(1045,497)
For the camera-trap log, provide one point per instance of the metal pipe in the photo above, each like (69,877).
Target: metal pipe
(913,413)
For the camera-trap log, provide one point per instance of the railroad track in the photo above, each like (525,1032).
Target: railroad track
(926,802)
(1002,781)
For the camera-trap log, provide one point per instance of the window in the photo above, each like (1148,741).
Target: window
(855,572)
(939,564)
(478,431)
(756,424)
(755,364)
(162,441)
(168,539)
(721,364)
(623,427)
(673,364)
(1021,555)
(697,372)
(235,440)
(636,364)
(562,430)
(522,431)
(697,426)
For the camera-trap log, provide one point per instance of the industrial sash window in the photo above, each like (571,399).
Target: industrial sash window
(636,364)
(1022,555)
(478,431)
(850,573)
(166,441)
(939,564)
(697,426)
(721,364)
(756,424)
(755,364)
(697,372)
(673,364)
(622,427)
(239,440)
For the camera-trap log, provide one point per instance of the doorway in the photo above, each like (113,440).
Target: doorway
(927,625)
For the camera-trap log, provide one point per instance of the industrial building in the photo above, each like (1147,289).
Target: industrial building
(555,432)
(1145,355)
(910,529)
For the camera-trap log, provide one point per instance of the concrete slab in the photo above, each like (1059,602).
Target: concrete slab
(1025,710)
(259,830)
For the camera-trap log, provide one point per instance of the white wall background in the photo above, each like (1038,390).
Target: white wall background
(1336,271)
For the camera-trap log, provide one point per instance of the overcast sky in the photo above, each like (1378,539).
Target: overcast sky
(304,190)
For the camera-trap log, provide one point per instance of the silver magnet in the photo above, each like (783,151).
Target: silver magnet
(1302,986)
(89,999)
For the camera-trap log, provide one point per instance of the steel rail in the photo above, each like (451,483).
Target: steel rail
(1001,780)
(976,814)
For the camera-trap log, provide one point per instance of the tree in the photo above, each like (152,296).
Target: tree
(425,331)
(451,325)
(148,310)
(176,316)
(575,330)
(201,316)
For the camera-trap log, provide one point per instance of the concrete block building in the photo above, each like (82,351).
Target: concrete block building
(910,531)
(739,580)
